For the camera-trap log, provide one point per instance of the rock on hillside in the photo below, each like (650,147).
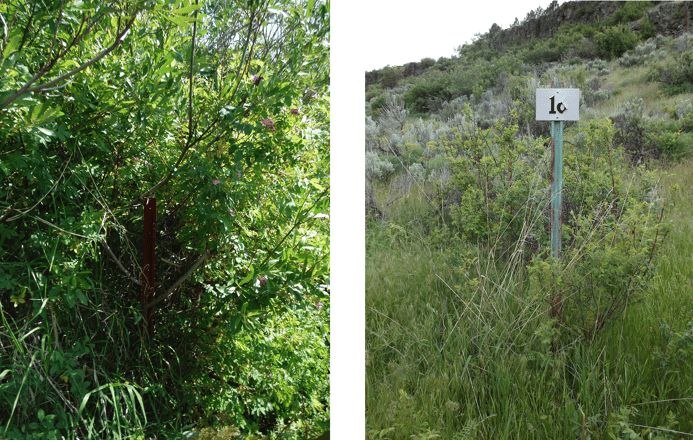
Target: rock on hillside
(667,18)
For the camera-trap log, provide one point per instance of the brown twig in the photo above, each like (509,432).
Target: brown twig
(175,285)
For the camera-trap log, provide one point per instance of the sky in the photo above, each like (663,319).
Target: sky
(393,33)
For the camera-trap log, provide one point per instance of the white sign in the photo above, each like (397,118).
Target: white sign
(558,104)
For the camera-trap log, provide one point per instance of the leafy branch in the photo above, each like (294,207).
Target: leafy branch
(48,85)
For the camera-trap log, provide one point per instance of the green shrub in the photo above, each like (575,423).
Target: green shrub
(494,192)
(413,153)
(377,105)
(614,42)
(429,92)
(630,11)
(677,75)
(611,229)
(391,76)
(645,138)
(428,62)
(611,232)
(373,92)
(646,29)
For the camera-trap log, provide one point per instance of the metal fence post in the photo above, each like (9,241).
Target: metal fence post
(148,263)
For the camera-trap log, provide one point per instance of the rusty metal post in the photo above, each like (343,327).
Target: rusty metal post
(148,266)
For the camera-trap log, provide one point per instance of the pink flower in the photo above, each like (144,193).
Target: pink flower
(269,123)
(216,182)
(239,175)
(142,160)
(294,111)
(263,281)
(318,305)
(231,212)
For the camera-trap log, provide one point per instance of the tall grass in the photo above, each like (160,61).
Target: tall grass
(460,344)
(47,388)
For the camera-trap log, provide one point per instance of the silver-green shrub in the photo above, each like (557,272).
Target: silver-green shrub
(393,115)
(592,92)
(376,167)
(684,108)
(684,43)
(372,133)
(595,66)
(645,48)
(417,172)
(629,60)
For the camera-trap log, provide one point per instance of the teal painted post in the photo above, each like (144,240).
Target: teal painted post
(556,187)
(556,184)
(556,218)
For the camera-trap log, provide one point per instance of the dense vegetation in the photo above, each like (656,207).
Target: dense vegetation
(220,112)
(473,329)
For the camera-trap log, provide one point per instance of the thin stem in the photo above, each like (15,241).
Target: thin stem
(27,87)
(190,90)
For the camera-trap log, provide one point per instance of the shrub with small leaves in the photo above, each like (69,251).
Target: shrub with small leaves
(495,191)
(611,233)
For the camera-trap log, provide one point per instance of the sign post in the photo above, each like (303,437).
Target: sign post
(557,105)
(148,262)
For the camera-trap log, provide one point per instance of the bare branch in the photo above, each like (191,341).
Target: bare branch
(185,276)
(118,263)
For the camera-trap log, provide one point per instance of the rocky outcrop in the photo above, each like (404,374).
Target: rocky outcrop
(667,18)
(670,19)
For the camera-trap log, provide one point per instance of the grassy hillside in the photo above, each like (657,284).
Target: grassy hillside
(473,330)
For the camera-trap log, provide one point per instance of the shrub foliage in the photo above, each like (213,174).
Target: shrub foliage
(105,105)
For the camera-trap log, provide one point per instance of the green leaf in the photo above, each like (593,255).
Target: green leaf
(108,10)
(81,296)
(176,20)
(12,43)
(187,9)
(5,373)
(249,277)
(46,131)
(69,299)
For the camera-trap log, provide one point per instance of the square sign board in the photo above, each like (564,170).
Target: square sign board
(558,104)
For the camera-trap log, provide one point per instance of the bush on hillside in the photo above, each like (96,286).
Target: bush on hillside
(614,42)
(495,192)
(611,233)
(677,74)
(429,93)
(630,11)
(497,197)
(645,138)
(391,76)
